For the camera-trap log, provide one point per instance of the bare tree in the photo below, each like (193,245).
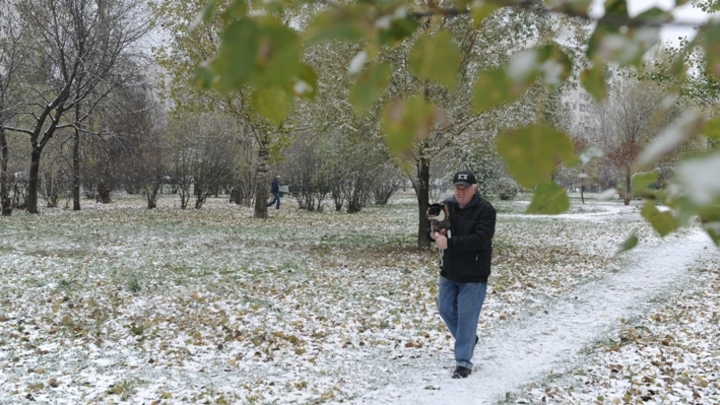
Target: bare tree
(76,46)
(304,168)
(202,156)
(632,109)
(213,165)
(187,49)
(388,182)
(136,122)
(243,189)
(182,173)
(55,175)
(11,54)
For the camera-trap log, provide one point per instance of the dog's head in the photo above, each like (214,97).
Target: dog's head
(439,217)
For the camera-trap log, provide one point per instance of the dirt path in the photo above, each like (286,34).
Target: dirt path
(528,348)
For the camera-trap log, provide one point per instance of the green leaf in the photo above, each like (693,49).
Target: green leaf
(709,214)
(205,15)
(306,84)
(548,62)
(713,230)
(533,153)
(655,16)
(462,4)
(274,7)
(549,198)
(663,222)
(236,10)
(400,28)
(204,77)
(629,243)
(435,58)
(278,59)
(683,208)
(234,62)
(341,23)
(405,121)
(493,88)
(616,9)
(670,139)
(699,180)
(710,218)
(575,6)
(259,50)
(712,128)
(482,10)
(609,44)
(593,81)
(369,86)
(641,182)
(273,103)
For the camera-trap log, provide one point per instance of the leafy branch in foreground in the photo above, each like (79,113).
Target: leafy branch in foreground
(262,47)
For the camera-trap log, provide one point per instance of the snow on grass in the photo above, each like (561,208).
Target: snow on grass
(668,355)
(117,303)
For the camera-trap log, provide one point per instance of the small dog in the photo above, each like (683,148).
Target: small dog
(439,217)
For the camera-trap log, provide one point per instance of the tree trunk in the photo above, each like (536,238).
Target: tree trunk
(261,186)
(235,194)
(32,197)
(628,187)
(76,169)
(152,194)
(103,192)
(5,202)
(422,191)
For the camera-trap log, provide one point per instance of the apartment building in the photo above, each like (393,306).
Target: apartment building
(582,108)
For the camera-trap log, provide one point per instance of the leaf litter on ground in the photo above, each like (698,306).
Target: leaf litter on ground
(118,303)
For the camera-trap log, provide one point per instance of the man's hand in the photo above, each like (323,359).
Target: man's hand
(442,232)
(440,239)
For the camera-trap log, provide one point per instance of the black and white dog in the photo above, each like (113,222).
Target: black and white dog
(439,217)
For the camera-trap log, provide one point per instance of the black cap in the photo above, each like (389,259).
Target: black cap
(465,178)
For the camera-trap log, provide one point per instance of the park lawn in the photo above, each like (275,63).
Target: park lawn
(117,303)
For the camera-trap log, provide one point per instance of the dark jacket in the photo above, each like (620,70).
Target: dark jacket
(275,186)
(469,252)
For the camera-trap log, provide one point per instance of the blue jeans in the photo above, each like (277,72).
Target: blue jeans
(460,305)
(275,200)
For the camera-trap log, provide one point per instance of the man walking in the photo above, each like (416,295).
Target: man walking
(275,191)
(465,266)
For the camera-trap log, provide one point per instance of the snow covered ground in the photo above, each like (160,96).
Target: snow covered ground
(117,304)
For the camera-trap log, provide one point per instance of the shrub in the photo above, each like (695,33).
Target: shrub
(506,188)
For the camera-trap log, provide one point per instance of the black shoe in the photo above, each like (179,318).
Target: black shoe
(461,372)
(476,339)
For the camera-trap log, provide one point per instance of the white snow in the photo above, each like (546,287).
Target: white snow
(118,304)
(553,339)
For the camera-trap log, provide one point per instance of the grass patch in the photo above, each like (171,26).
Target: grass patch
(161,298)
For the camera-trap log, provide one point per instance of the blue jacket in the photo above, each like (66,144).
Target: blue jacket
(275,187)
(469,252)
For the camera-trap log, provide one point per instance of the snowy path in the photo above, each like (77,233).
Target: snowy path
(527,349)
